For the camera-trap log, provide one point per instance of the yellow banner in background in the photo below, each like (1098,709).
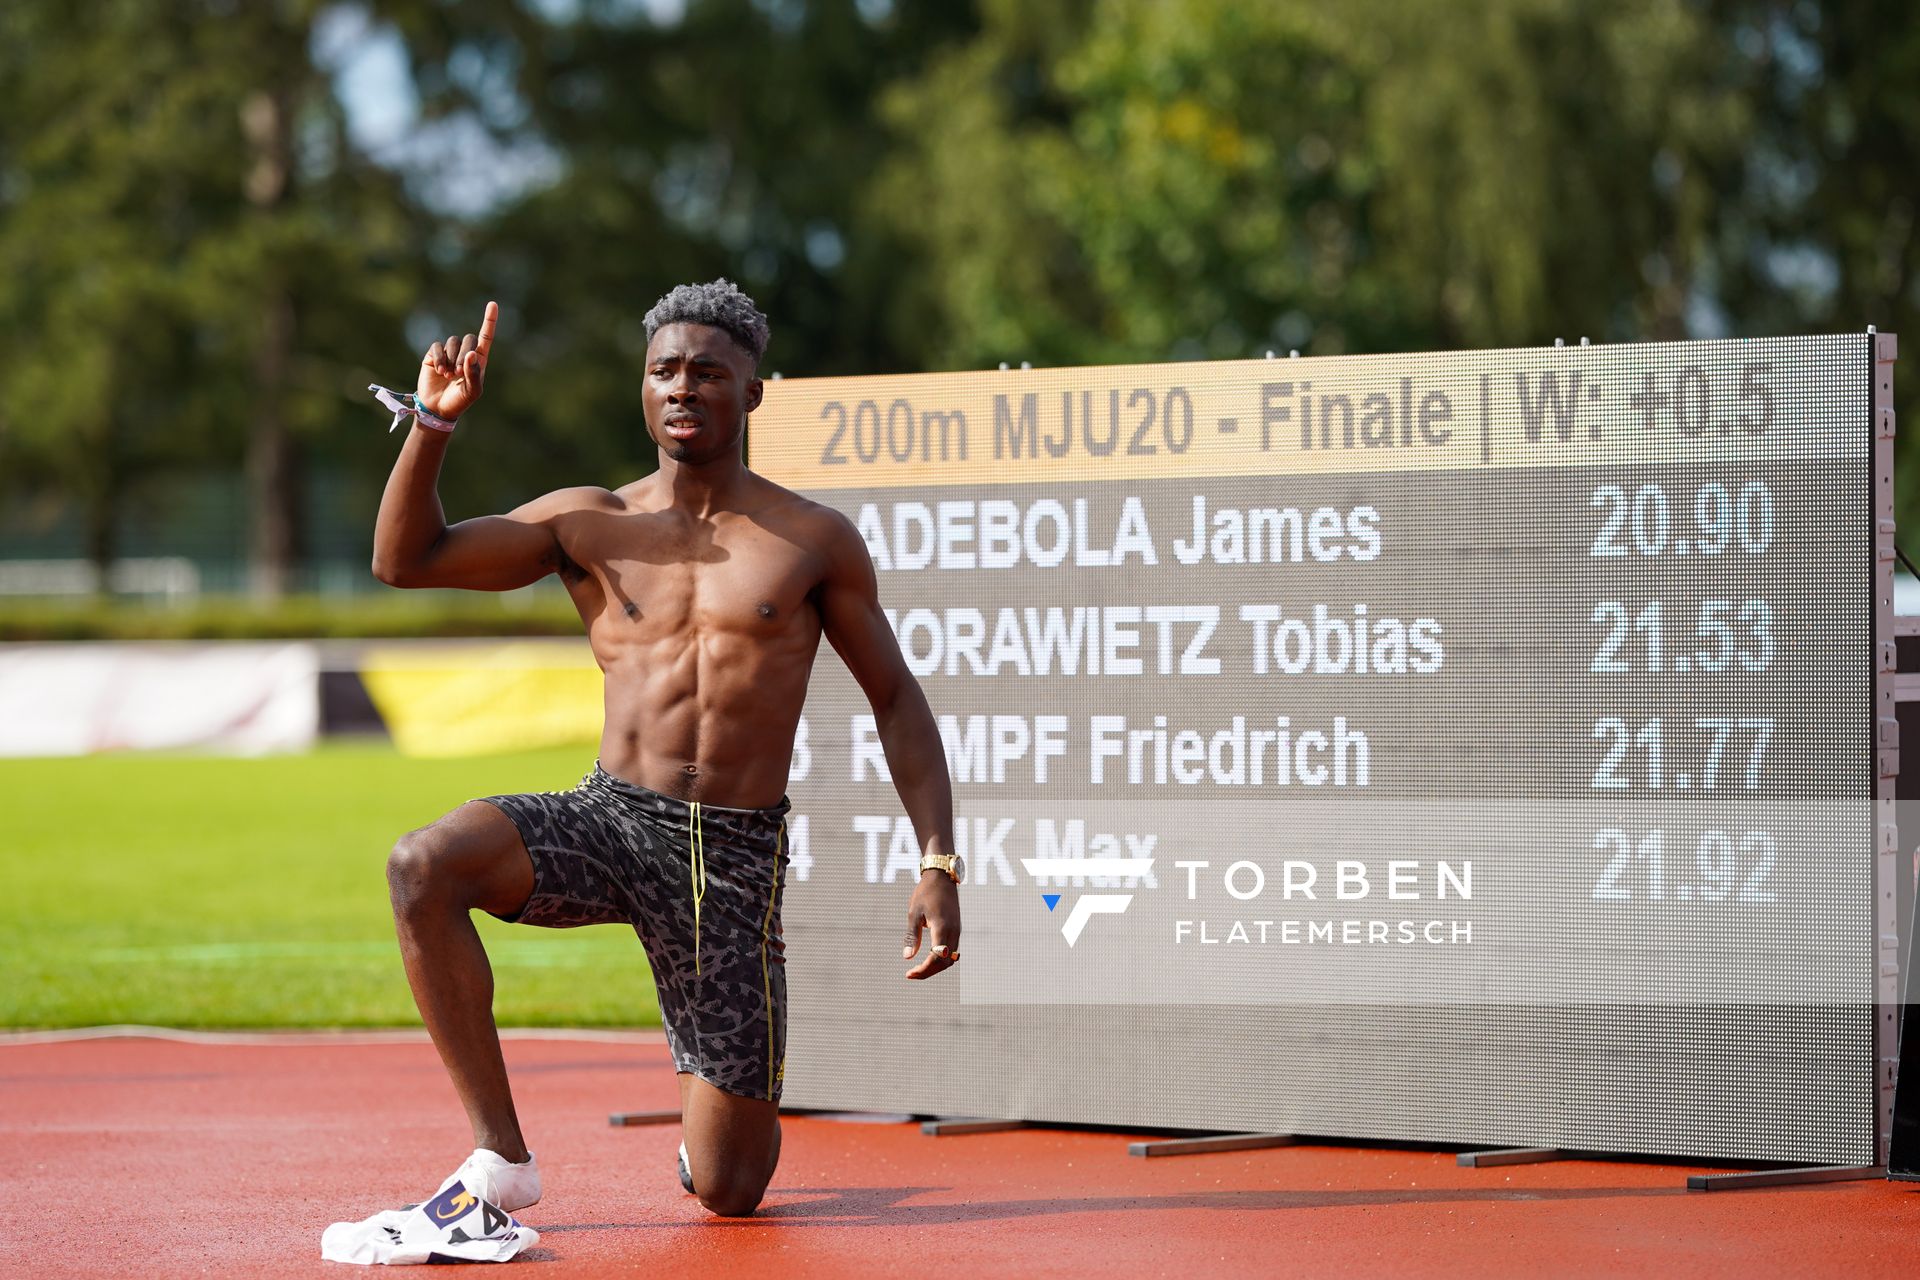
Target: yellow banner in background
(470,700)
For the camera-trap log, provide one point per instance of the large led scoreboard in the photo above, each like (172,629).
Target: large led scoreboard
(1470,747)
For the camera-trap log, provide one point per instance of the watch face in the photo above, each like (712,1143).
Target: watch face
(959,868)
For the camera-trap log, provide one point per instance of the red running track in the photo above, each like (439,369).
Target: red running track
(158,1158)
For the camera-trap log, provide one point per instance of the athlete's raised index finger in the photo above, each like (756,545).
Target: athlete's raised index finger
(486,327)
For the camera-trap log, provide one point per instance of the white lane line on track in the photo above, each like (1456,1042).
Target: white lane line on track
(238,952)
(307,1038)
(527,954)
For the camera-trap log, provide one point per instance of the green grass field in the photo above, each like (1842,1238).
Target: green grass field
(195,891)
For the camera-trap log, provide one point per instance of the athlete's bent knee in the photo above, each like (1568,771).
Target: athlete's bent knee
(416,871)
(731,1196)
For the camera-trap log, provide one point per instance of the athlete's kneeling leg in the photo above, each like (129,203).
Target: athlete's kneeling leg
(472,858)
(733,1145)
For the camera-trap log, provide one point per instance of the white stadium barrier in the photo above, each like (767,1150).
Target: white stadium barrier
(246,699)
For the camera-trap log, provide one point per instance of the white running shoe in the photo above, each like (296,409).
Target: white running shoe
(507,1186)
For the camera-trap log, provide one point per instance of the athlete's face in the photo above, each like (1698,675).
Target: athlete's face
(698,392)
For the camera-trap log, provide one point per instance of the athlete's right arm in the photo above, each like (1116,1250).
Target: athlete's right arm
(412,544)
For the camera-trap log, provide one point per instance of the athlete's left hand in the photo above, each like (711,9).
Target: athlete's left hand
(935,908)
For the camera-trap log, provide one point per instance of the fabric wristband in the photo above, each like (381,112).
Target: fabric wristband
(406,405)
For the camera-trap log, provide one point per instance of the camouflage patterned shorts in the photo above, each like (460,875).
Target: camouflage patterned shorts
(701,886)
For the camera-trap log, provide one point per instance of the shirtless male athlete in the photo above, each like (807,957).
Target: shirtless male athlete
(705,590)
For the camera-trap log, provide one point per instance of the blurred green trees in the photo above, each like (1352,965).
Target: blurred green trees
(203,260)
(195,261)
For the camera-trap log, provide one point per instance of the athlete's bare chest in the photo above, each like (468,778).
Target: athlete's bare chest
(667,576)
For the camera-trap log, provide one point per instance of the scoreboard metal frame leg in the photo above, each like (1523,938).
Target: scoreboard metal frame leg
(633,1119)
(1783,1177)
(1220,1142)
(850,1117)
(1504,1156)
(960,1127)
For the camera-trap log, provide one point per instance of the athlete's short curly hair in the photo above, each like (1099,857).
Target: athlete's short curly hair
(720,304)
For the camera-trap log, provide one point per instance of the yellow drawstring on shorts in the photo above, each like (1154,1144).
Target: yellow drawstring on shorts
(697,873)
(766,934)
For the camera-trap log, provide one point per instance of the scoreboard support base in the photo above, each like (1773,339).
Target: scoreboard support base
(635,1119)
(1783,1177)
(1509,1155)
(632,1119)
(959,1127)
(1201,1146)
(850,1117)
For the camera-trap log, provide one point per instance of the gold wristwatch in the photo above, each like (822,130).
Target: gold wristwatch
(951,863)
